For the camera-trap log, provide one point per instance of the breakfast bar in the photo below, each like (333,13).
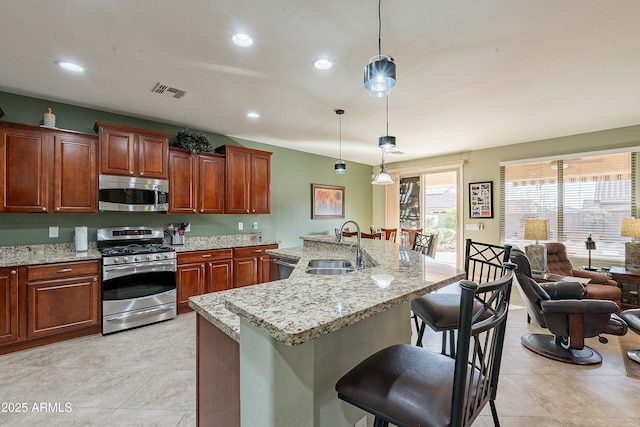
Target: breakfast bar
(270,354)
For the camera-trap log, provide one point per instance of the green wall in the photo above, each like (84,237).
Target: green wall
(292,173)
(484,165)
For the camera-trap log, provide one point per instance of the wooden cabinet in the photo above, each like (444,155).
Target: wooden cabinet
(130,151)
(47,170)
(251,265)
(8,305)
(25,165)
(196,183)
(629,283)
(248,180)
(200,272)
(75,177)
(62,298)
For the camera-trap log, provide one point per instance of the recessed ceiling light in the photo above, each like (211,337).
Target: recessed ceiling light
(242,39)
(253,115)
(322,64)
(70,66)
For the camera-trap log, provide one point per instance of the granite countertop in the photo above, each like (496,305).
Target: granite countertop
(304,306)
(14,256)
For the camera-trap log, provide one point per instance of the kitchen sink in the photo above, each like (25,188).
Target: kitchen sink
(329,266)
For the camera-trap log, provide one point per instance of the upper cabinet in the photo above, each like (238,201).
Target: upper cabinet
(130,151)
(47,170)
(248,180)
(196,183)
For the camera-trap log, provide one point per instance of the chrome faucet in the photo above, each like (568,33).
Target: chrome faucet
(359,260)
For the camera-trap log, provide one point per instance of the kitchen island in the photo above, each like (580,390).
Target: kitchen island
(270,354)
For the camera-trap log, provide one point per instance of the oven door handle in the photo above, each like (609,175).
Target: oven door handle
(112,272)
(129,316)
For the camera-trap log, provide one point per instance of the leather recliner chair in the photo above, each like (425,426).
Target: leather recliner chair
(563,308)
(600,286)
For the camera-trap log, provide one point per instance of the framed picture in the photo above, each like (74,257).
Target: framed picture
(481,199)
(327,201)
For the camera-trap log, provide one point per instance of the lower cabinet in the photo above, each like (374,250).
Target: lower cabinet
(62,298)
(41,304)
(8,305)
(251,265)
(201,272)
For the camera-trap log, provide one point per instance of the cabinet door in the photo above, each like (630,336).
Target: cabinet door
(211,184)
(25,157)
(8,304)
(245,272)
(218,276)
(260,189)
(238,173)
(264,269)
(153,153)
(56,306)
(75,179)
(116,152)
(182,182)
(189,281)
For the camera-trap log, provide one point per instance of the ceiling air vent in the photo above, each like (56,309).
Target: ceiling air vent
(168,91)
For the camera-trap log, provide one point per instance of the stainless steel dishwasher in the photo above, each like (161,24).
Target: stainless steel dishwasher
(281,267)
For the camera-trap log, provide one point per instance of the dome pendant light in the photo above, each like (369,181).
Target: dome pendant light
(340,166)
(380,72)
(382,177)
(387,143)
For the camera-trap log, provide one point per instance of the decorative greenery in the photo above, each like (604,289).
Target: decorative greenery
(193,141)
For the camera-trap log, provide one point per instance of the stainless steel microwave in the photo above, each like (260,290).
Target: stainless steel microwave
(123,193)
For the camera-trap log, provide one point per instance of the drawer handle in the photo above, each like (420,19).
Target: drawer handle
(65,270)
(257,251)
(13,272)
(206,256)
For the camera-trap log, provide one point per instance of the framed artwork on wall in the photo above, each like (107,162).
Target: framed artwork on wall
(327,201)
(481,199)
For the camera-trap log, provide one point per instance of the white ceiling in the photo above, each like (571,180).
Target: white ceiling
(471,74)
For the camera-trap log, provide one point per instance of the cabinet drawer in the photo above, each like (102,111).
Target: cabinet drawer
(198,256)
(62,270)
(251,251)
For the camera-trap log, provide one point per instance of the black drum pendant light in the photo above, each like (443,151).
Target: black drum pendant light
(380,72)
(340,166)
(387,143)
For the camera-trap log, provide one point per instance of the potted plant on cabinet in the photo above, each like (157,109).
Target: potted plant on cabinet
(193,141)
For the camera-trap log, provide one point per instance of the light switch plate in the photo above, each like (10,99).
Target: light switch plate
(240,226)
(53,231)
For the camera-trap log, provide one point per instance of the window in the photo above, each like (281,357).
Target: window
(579,196)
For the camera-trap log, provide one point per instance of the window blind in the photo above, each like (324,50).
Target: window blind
(588,194)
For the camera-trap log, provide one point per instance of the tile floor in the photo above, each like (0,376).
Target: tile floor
(146,377)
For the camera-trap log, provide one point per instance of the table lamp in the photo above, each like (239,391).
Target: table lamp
(537,229)
(631,228)
(590,245)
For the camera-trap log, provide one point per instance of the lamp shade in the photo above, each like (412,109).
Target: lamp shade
(387,143)
(382,178)
(630,227)
(536,229)
(380,75)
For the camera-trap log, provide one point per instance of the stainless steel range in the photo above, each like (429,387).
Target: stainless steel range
(138,277)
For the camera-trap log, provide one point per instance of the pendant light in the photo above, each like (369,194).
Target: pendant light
(382,177)
(380,72)
(340,166)
(387,143)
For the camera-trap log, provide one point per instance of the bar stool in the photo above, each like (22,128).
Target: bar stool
(412,386)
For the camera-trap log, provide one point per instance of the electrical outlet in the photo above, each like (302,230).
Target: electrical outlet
(53,231)
(187,228)
(362,422)
(240,226)
(254,225)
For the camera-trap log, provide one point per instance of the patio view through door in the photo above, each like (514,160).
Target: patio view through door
(430,202)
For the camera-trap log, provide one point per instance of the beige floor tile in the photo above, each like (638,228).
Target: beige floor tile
(144,417)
